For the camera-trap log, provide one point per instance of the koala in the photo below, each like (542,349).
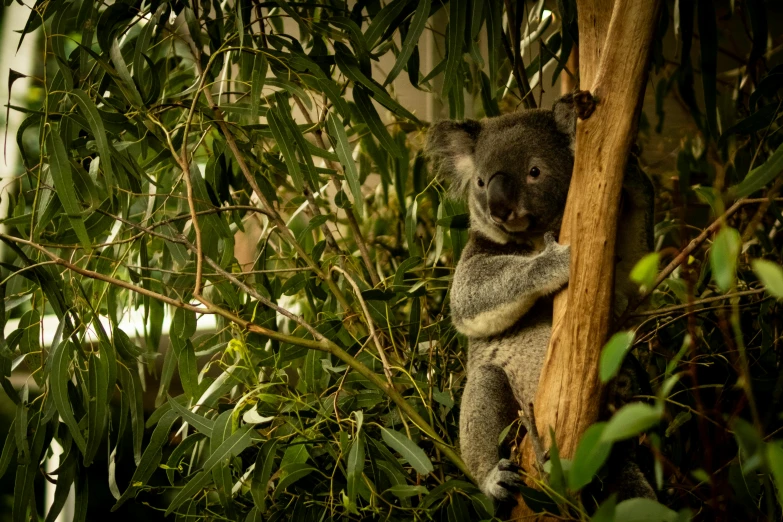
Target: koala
(515,170)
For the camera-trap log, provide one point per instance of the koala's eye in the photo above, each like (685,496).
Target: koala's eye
(480,182)
(534,172)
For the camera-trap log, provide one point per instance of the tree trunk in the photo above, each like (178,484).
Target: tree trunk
(614,47)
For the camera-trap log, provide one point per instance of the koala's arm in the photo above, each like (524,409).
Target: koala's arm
(635,231)
(487,407)
(491,293)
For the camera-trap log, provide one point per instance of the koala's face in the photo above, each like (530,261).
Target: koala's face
(514,169)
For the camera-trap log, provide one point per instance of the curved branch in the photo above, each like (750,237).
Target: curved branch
(682,256)
(370,324)
(323,345)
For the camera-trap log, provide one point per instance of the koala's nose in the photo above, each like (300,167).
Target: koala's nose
(502,197)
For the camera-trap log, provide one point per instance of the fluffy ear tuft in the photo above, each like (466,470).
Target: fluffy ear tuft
(451,145)
(565,117)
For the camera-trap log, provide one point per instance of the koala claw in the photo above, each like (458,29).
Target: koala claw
(503,482)
(507,465)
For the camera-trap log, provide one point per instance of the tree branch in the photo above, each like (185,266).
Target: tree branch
(665,310)
(682,256)
(352,223)
(370,324)
(273,214)
(324,345)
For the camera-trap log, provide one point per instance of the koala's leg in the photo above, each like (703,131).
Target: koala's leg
(492,292)
(624,468)
(624,475)
(488,406)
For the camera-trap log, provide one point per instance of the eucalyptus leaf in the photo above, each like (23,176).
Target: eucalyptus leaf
(412,453)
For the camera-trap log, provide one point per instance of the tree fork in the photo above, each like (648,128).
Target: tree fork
(614,50)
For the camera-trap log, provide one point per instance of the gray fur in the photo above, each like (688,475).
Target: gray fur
(499,296)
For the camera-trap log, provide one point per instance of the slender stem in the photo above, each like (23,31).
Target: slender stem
(184,162)
(224,273)
(352,222)
(518,67)
(196,229)
(101,277)
(273,214)
(330,240)
(684,253)
(324,345)
(674,308)
(754,222)
(370,324)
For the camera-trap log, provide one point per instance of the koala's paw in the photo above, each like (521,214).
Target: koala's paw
(558,259)
(503,482)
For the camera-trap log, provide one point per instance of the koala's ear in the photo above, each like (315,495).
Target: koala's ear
(452,145)
(565,116)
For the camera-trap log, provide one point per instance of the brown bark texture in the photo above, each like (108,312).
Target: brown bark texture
(614,49)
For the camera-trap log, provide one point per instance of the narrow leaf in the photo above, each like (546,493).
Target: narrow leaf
(455,37)
(262,473)
(260,67)
(409,450)
(370,117)
(341,146)
(631,420)
(646,270)
(350,68)
(771,275)
(58,380)
(60,168)
(190,489)
(291,473)
(380,22)
(613,354)
(709,62)
(590,455)
(775,460)
(355,467)
(415,31)
(285,144)
(98,378)
(759,177)
(98,131)
(724,256)
(643,510)
(201,423)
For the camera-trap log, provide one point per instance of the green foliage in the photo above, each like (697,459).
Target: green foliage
(646,270)
(771,275)
(613,353)
(225,210)
(723,258)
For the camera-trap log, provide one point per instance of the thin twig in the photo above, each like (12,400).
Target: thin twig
(101,277)
(324,345)
(683,255)
(273,214)
(514,51)
(370,324)
(228,275)
(756,219)
(184,166)
(674,308)
(352,223)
